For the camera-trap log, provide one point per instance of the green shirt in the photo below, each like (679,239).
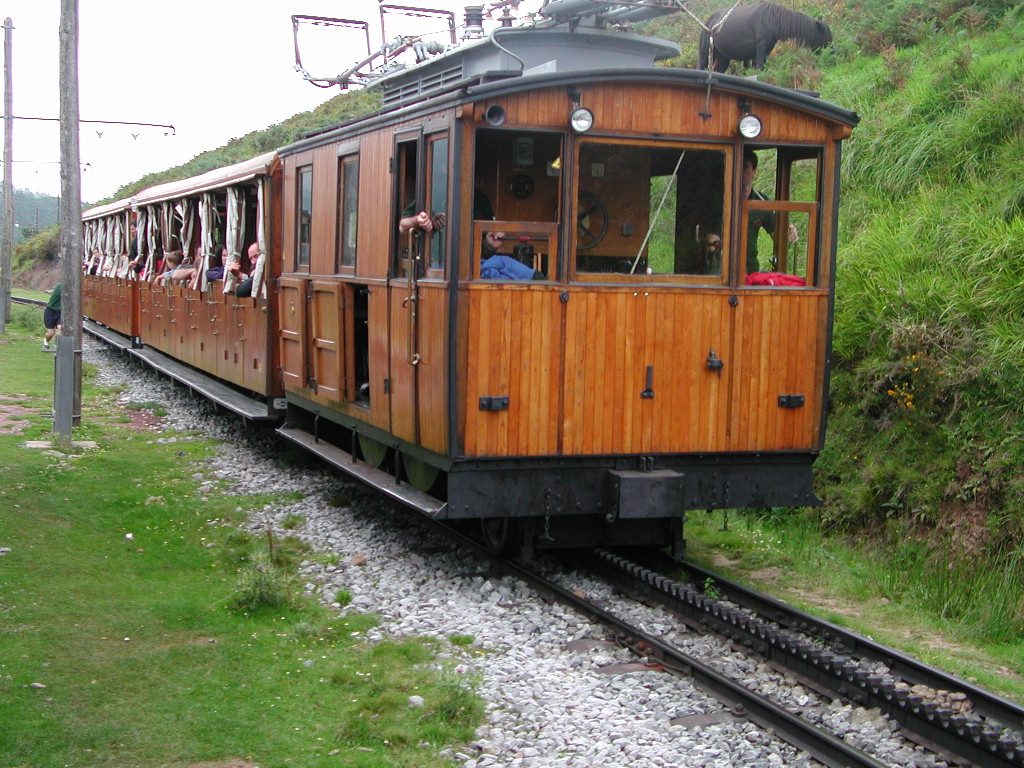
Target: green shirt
(54,302)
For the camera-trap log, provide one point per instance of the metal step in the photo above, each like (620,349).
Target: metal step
(382,481)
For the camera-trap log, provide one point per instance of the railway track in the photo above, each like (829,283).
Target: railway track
(824,746)
(985,732)
(30,302)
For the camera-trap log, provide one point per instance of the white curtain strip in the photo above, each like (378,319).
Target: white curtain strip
(108,247)
(207,214)
(236,199)
(149,263)
(187,211)
(167,226)
(120,246)
(258,286)
(89,233)
(153,232)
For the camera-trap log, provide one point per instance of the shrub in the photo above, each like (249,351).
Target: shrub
(262,585)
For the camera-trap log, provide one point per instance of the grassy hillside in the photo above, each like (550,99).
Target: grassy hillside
(926,435)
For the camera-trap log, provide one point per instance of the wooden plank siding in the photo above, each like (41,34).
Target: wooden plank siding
(665,109)
(112,301)
(514,350)
(326,339)
(432,383)
(373,241)
(778,351)
(771,343)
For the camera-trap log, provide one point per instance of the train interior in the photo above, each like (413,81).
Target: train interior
(516,197)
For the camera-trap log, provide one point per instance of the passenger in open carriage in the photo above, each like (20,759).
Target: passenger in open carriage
(187,269)
(244,277)
(135,261)
(166,268)
(92,266)
(218,260)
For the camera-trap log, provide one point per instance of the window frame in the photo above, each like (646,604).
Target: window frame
(302,173)
(786,155)
(722,280)
(347,193)
(429,145)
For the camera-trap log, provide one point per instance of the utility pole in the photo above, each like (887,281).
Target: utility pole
(67,391)
(7,236)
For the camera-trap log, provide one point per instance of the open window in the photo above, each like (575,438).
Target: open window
(517,177)
(421,185)
(651,209)
(780,236)
(437,203)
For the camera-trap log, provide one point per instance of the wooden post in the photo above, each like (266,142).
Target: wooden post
(68,407)
(7,238)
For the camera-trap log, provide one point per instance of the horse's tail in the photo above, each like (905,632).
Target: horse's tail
(702,54)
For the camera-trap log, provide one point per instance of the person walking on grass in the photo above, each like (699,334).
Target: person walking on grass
(51,318)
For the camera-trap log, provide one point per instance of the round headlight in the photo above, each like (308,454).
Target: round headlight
(581,119)
(750,126)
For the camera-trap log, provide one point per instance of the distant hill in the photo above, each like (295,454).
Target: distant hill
(33,212)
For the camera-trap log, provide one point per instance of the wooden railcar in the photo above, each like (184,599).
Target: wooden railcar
(669,351)
(640,374)
(196,326)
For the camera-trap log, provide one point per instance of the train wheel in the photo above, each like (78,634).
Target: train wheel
(500,535)
(422,476)
(374,452)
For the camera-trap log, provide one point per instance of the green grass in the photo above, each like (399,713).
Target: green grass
(969,621)
(148,649)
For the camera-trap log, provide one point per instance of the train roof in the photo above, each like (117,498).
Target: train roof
(741,86)
(218,178)
(514,52)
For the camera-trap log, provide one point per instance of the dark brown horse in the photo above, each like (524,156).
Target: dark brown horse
(749,33)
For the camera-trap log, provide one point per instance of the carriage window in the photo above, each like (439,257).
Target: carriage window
(780,238)
(437,200)
(305,214)
(348,199)
(650,210)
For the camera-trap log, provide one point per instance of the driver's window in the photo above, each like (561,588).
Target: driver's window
(780,193)
(646,209)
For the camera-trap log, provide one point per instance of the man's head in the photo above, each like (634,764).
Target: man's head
(254,252)
(749,169)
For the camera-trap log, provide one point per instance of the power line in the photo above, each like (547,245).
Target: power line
(104,122)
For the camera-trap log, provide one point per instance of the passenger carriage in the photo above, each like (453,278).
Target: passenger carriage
(641,375)
(185,328)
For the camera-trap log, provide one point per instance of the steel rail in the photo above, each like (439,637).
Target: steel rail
(31,302)
(783,634)
(822,745)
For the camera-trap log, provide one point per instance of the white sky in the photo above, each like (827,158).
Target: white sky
(214,69)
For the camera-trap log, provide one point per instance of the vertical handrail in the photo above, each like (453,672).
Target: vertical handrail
(415,251)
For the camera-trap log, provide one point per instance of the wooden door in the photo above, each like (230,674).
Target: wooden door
(779,371)
(292,316)
(403,358)
(640,376)
(327,331)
